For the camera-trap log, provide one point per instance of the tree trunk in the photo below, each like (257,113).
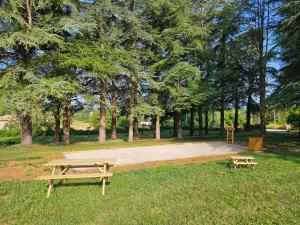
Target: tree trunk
(157,127)
(222,112)
(192,121)
(132,121)
(222,69)
(135,128)
(67,121)
(299,122)
(134,93)
(26,127)
(56,113)
(114,117)
(130,130)
(248,112)
(213,119)
(175,124)
(102,125)
(262,103)
(179,126)
(206,122)
(29,13)
(200,121)
(236,114)
(262,47)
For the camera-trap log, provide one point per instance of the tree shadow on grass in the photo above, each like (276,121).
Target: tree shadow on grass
(81,183)
(288,155)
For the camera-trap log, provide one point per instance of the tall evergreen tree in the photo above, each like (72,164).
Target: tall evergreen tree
(29,29)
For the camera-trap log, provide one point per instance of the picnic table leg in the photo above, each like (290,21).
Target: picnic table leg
(107,170)
(63,171)
(103,186)
(236,165)
(50,188)
(104,179)
(50,183)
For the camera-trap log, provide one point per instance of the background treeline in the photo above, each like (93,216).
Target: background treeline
(157,60)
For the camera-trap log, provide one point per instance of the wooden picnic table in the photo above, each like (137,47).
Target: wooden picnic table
(243,161)
(61,167)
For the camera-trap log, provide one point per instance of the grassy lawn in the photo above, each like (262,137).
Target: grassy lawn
(208,193)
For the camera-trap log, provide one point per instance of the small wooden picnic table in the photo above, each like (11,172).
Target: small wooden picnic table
(62,166)
(243,160)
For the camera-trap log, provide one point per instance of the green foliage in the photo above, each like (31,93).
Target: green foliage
(83,116)
(293,119)
(122,121)
(9,133)
(22,89)
(95,118)
(229,118)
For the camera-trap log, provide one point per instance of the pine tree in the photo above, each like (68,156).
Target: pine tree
(29,29)
(177,37)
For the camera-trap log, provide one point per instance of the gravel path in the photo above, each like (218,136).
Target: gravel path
(135,155)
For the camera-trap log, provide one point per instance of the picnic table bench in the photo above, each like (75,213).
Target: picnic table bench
(243,161)
(62,166)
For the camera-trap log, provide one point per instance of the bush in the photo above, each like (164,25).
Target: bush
(11,129)
(8,142)
(9,133)
(123,122)
(293,119)
(253,126)
(43,123)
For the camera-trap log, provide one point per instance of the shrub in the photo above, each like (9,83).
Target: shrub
(11,129)
(293,119)
(9,133)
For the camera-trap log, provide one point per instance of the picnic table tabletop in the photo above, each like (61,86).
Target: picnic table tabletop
(81,162)
(241,157)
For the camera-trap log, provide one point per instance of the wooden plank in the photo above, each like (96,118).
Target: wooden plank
(74,176)
(241,157)
(245,163)
(81,162)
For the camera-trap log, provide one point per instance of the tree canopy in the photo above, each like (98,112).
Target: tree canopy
(157,59)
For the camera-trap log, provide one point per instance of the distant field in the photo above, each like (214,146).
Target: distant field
(79,125)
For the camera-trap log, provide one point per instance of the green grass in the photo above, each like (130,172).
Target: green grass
(210,193)
(27,158)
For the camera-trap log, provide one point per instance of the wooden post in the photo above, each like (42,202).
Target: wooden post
(227,136)
(231,130)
